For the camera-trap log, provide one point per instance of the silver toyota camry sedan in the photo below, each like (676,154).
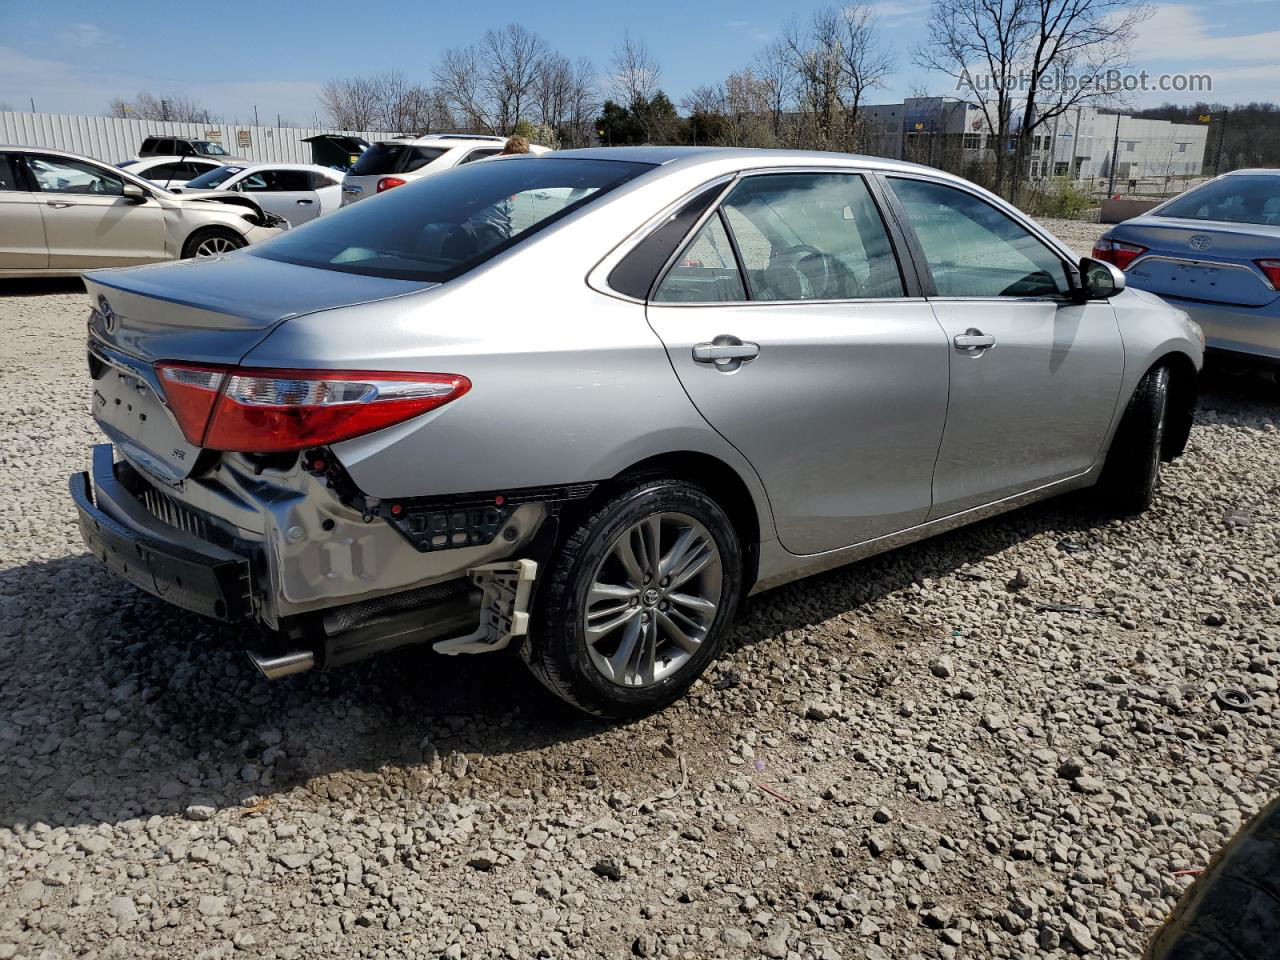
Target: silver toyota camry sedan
(580,405)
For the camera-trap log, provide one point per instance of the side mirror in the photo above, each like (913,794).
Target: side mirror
(1099,280)
(134,193)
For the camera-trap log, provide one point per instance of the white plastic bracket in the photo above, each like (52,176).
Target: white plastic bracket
(504,607)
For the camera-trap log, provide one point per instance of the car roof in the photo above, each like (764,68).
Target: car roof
(245,167)
(694,156)
(449,139)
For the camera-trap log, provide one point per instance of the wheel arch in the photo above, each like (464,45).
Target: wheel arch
(1183,392)
(723,483)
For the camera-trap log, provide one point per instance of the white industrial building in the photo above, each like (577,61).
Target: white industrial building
(1081,143)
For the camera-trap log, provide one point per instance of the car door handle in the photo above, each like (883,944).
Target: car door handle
(304,202)
(716,352)
(59,203)
(973,340)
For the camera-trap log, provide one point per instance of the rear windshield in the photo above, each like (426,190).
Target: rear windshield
(444,225)
(212,178)
(1234,199)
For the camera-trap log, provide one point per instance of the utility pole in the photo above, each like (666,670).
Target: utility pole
(255,114)
(1115,159)
(33,104)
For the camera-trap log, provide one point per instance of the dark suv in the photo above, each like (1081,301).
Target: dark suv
(184,147)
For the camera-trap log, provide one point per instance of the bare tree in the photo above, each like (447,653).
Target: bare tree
(775,83)
(1068,39)
(514,57)
(146,106)
(1021,56)
(566,98)
(834,60)
(983,36)
(352,103)
(636,72)
(499,82)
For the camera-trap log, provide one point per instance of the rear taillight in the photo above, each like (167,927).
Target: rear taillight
(272,411)
(1272,270)
(1113,251)
(386,183)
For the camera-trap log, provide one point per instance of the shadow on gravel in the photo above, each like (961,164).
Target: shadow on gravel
(115,706)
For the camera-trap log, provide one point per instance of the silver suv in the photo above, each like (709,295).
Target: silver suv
(580,405)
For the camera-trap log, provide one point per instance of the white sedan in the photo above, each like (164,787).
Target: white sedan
(172,173)
(296,191)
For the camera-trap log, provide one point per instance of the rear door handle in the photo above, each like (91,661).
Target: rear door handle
(59,203)
(973,341)
(305,201)
(716,352)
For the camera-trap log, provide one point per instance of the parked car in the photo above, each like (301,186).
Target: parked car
(1215,252)
(296,191)
(186,147)
(172,173)
(61,213)
(393,163)
(588,426)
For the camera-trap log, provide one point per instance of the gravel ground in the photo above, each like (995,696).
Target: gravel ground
(1000,743)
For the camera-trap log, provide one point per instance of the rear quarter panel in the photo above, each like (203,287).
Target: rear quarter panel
(568,384)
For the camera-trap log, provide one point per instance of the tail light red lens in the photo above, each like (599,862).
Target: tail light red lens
(386,183)
(1113,251)
(1272,269)
(274,411)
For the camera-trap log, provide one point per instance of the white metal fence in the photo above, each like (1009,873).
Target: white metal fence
(113,139)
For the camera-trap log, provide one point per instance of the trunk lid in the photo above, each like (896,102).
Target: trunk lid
(201,311)
(1201,260)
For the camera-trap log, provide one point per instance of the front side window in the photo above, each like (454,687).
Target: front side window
(809,236)
(707,271)
(973,249)
(442,226)
(276,181)
(64,175)
(209,147)
(1238,198)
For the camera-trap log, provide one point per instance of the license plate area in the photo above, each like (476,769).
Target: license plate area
(129,411)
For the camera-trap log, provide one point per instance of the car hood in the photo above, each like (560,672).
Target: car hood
(200,199)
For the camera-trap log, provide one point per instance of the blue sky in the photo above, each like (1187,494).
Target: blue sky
(74,56)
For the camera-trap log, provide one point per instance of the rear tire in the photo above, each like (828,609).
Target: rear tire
(622,629)
(1131,474)
(212,242)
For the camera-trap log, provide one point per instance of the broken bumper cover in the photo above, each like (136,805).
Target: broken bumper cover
(160,559)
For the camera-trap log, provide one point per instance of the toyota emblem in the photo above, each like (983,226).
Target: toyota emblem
(1200,242)
(108,315)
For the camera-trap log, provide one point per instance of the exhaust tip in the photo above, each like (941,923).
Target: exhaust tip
(273,668)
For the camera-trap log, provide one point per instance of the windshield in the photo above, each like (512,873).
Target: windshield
(442,226)
(213,178)
(209,147)
(1233,199)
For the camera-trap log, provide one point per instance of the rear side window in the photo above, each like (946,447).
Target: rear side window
(480,154)
(975,250)
(321,180)
(810,236)
(442,226)
(418,157)
(9,174)
(707,271)
(148,145)
(635,273)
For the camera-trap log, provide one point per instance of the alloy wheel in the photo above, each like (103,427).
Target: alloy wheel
(215,246)
(653,599)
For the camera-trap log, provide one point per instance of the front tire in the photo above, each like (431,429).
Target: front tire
(637,600)
(1131,475)
(212,242)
